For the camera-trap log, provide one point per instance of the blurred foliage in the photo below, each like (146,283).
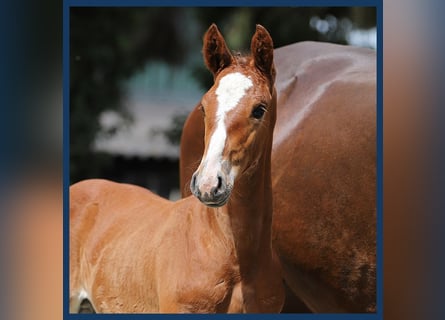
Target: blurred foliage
(285,24)
(174,131)
(108,45)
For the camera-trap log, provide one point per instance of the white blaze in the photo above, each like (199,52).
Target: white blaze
(231,89)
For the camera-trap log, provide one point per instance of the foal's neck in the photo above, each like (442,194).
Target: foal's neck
(248,214)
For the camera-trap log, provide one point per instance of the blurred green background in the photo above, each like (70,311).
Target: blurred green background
(135,74)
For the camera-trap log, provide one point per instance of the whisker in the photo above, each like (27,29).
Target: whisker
(192,166)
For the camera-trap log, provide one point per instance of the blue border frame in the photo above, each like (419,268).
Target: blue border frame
(378,4)
(222,3)
(379,158)
(66,155)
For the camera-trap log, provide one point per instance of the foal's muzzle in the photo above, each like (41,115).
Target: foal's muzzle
(213,191)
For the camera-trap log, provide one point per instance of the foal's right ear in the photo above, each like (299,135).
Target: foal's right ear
(216,54)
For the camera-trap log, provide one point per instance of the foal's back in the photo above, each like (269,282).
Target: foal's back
(108,226)
(141,248)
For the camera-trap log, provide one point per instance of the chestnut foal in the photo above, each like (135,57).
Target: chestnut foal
(132,251)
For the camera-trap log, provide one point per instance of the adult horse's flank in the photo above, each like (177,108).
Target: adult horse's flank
(323,173)
(132,251)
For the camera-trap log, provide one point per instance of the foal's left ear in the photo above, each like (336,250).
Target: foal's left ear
(262,52)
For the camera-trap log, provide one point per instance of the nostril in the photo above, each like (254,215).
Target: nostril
(216,190)
(193,183)
(219,183)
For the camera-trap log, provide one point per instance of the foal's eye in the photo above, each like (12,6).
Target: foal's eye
(258,111)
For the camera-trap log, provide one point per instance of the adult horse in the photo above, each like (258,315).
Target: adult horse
(132,251)
(323,173)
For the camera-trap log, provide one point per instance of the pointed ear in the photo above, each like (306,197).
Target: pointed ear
(216,54)
(262,52)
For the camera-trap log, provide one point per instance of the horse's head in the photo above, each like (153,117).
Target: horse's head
(239,114)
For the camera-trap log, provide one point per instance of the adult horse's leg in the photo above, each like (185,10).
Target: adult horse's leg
(293,304)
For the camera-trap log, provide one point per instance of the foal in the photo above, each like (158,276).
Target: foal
(132,251)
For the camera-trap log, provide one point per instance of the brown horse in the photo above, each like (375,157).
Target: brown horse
(323,173)
(132,251)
